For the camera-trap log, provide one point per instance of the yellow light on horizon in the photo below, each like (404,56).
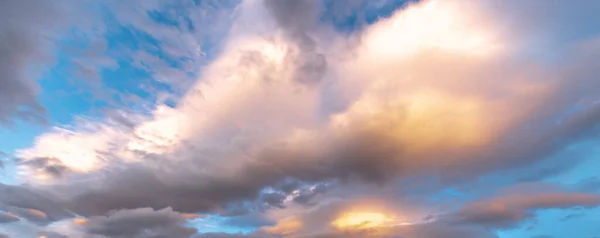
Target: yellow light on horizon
(360,220)
(80,221)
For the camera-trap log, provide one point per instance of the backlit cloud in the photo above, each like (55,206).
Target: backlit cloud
(292,122)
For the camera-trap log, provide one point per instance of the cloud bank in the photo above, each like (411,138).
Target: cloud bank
(291,109)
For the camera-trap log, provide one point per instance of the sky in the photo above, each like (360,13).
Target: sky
(299,119)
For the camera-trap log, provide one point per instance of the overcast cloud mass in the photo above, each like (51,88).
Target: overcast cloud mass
(299,118)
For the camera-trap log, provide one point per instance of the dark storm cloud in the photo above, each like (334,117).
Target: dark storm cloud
(140,223)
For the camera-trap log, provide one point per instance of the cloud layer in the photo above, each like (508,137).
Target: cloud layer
(292,112)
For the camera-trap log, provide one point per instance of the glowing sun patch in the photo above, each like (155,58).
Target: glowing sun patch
(360,220)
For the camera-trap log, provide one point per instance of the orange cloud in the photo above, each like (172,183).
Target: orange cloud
(80,221)
(190,215)
(360,220)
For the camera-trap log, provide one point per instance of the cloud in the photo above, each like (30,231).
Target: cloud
(33,32)
(361,218)
(572,216)
(392,126)
(439,89)
(590,184)
(284,227)
(141,222)
(297,19)
(226,235)
(425,231)
(31,215)
(479,218)
(509,211)
(23,45)
(8,218)
(50,234)
(30,204)
(46,167)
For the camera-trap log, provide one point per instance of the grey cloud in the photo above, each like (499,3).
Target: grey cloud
(200,26)
(140,223)
(31,32)
(22,45)
(3,157)
(50,167)
(273,199)
(590,184)
(167,184)
(51,234)
(295,16)
(298,19)
(8,218)
(306,196)
(19,198)
(4,236)
(31,215)
(121,118)
(509,211)
(572,216)
(154,188)
(227,235)
(534,18)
